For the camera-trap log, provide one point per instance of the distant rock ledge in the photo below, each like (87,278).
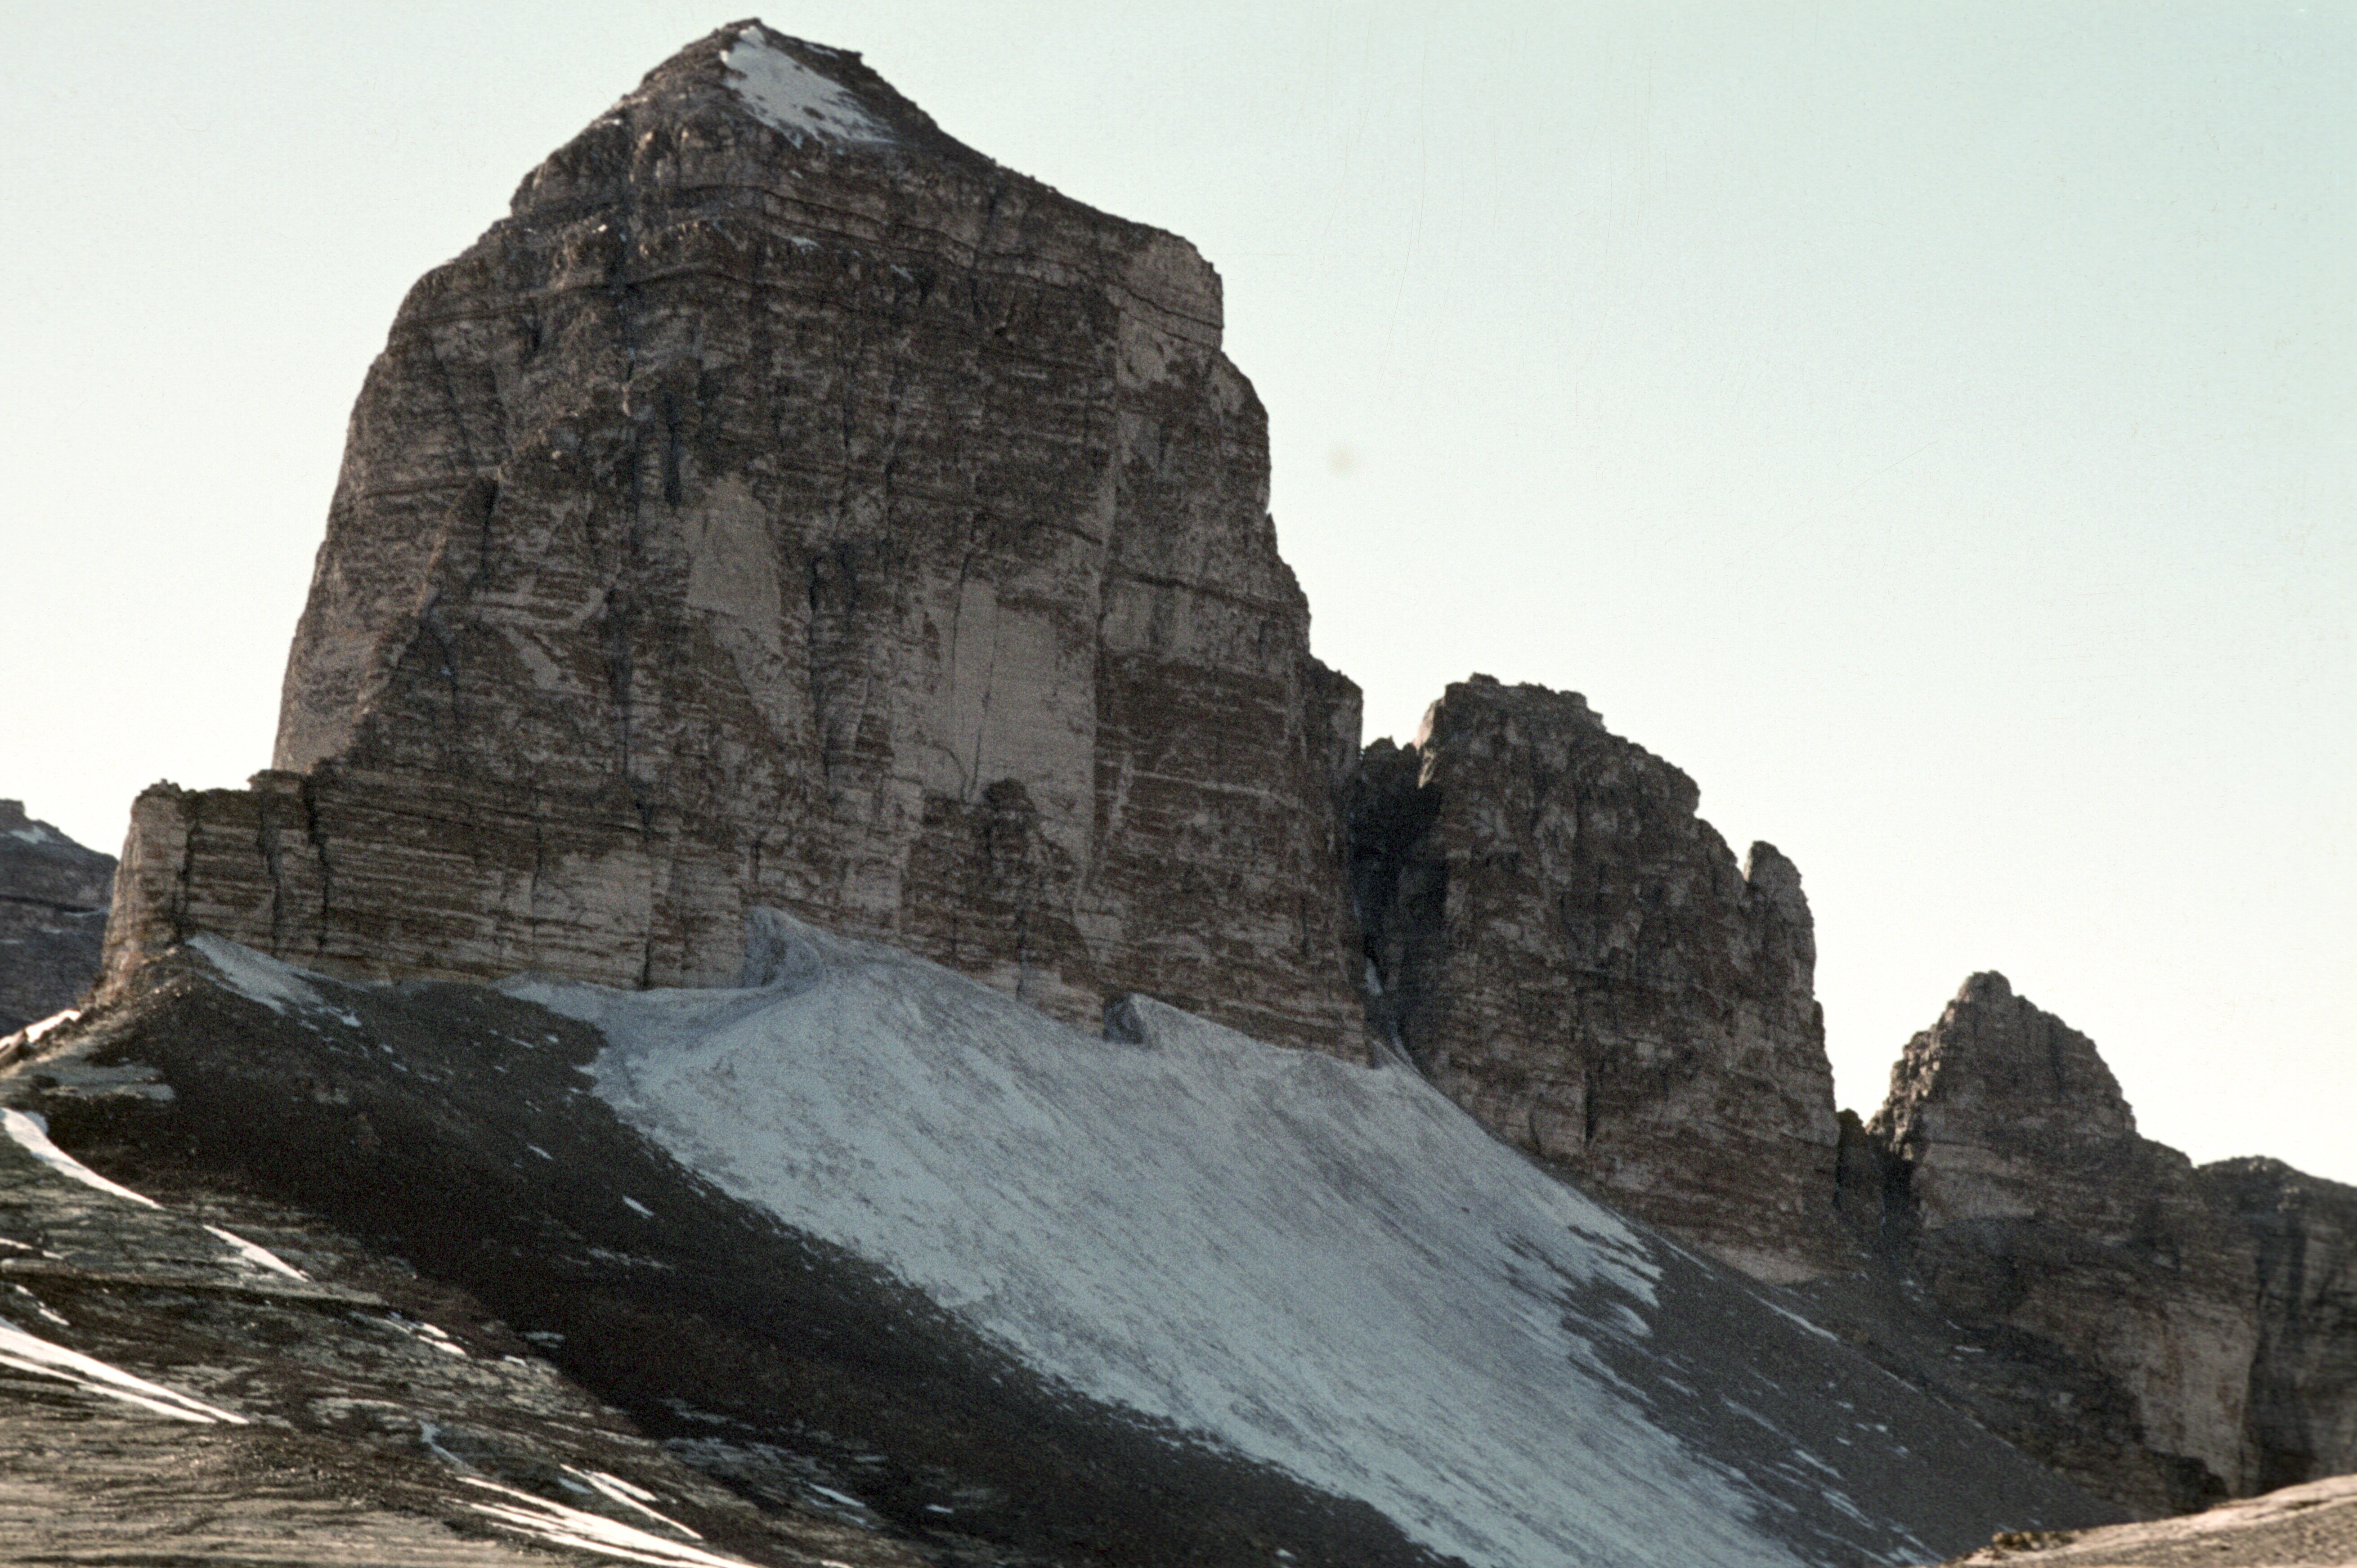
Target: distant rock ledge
(54,896)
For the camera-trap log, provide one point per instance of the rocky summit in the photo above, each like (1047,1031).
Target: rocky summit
(2167,1336)
(1570,952)
(53,904)
(787,505)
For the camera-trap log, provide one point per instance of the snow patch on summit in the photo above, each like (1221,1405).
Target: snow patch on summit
(787,95)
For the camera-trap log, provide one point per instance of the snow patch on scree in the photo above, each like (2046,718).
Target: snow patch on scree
(1326,1267)
(556,1525)
(260,1256)
(32,1032)
(276,985)
(789,96)
(30,1132)
(30,1353)
(281,987)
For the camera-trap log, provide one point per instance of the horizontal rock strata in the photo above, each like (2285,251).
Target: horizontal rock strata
(1575,957)
(54,896)
(787,505)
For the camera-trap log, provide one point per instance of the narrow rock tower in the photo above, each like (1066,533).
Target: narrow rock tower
(2112,1303)
(1567,949)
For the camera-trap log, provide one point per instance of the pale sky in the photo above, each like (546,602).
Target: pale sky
(1930,426)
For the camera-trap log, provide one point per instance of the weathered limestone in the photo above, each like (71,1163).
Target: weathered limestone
(2117,1301)
(2301,1416)
(53,903)
(1575,957)
(788,505)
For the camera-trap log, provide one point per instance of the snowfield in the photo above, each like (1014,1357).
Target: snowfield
(1324,1267)
(789,96)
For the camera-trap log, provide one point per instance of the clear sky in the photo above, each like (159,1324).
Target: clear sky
(1930,426)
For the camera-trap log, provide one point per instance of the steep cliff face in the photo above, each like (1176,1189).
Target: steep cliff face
(1575,958)
(787,505)
(2301,1415)
(53,903)
(2107,1304)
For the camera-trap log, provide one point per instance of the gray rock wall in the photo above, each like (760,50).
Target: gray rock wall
(1575,956)
(54,894)
(788,505)
(2300,1418)
(2165,1337)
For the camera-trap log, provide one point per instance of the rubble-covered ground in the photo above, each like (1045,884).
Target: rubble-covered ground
(215,1378)
(868,1264)
(2310,1526)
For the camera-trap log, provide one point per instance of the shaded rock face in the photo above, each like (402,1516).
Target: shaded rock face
(787,505)
(2301,1414)
(1555,937)
(53,902)
(2106,1303)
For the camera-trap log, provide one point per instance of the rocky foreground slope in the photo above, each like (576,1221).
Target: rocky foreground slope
(2310,1526)
(874,1244)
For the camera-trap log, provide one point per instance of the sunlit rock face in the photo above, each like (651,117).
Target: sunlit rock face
(788,505)
(53,903)
(1575,957)
(2114,1301)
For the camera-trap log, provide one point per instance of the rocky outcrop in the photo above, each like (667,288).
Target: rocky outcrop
(53,904)
(787,505)
(2296,1527)
(2300,1416)
(2103,1303)
(1566,947)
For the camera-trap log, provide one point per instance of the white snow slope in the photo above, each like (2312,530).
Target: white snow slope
(1324,1267)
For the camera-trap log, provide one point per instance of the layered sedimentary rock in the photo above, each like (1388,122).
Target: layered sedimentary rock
(2104,1303)
(786,505)
(53,904)
(2301,1415)
(1567,949)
